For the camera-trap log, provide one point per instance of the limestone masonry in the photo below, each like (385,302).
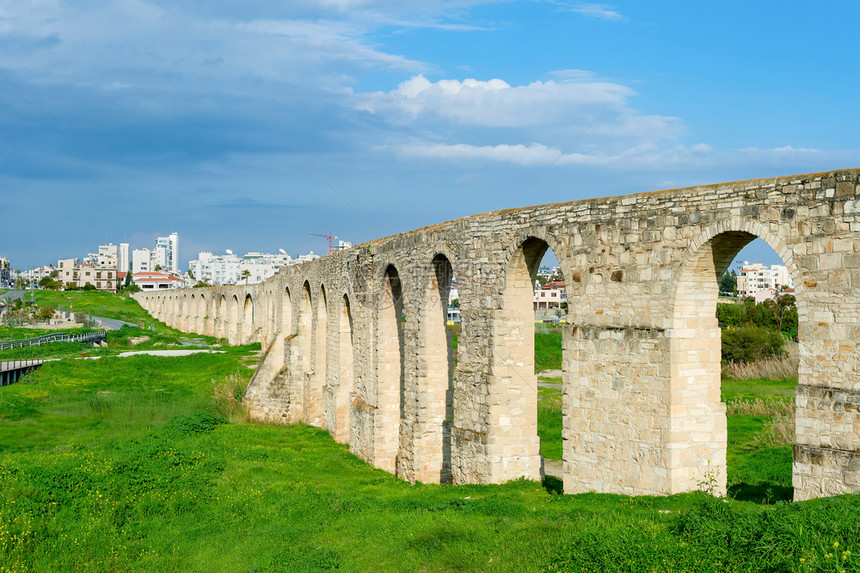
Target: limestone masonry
(356,341)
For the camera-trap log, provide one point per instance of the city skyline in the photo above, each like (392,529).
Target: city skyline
(254,126)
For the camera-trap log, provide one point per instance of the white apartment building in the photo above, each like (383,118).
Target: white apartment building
(106,256)
(217,270)
(144,260)
(37,274)
(229,269)
(305,258)
(80,275)
(261,266)
(122,260)
(755,277)
(170,246)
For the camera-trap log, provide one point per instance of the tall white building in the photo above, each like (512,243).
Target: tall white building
(755,277)
(170,246)
(144,260)
(122,260)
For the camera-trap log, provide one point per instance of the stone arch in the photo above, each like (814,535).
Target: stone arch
(221,327)
(200,312)
(320,380)
(390,379)
(233,320)
(698,430)
(248,319)
(310,403)
(513,418)
(436,368)
(191,312)
(271,316)
(345,381)
(286,313)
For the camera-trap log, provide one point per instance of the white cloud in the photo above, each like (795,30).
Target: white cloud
(494,102)
(598,11)
(778,151)
(535,154)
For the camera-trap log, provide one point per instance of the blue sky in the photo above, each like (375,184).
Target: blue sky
(122,120)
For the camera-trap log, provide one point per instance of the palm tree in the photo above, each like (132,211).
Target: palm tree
(245,274)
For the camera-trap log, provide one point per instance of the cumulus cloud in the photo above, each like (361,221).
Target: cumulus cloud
(494,102)
(576,119)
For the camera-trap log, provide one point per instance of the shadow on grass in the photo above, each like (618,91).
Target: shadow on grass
(761,493)
(553,485)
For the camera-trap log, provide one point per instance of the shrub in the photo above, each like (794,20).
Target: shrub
(749,343)
(197,423)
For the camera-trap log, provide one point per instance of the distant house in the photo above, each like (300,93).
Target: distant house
(550,295)
(156,280)
(79,275)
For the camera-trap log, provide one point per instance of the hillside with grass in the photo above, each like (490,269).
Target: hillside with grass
(148,463)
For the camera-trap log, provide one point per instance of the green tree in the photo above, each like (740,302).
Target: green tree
(750,342)
(46,312)
(245,275)
(48,282)
(730,314)
(729,283)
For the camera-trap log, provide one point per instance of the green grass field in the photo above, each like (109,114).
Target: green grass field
(148,464)
(108,305)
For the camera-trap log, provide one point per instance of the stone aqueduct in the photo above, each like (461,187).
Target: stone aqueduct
(355,342)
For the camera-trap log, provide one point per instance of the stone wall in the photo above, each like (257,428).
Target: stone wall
(355,341)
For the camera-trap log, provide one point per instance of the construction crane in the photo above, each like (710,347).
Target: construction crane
(330,237)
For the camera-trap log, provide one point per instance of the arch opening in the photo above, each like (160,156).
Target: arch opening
(247,320)
(201,314)
(221,331)
(436,366)
(234,326)
(344,383)
(390,372)
(310,403)
(528,344)
(319,380)
(725,419)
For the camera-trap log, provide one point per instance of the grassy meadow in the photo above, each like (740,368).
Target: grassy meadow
(108,305)
(147,463)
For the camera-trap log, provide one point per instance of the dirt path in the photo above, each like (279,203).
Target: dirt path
(549,374)
(552,468)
